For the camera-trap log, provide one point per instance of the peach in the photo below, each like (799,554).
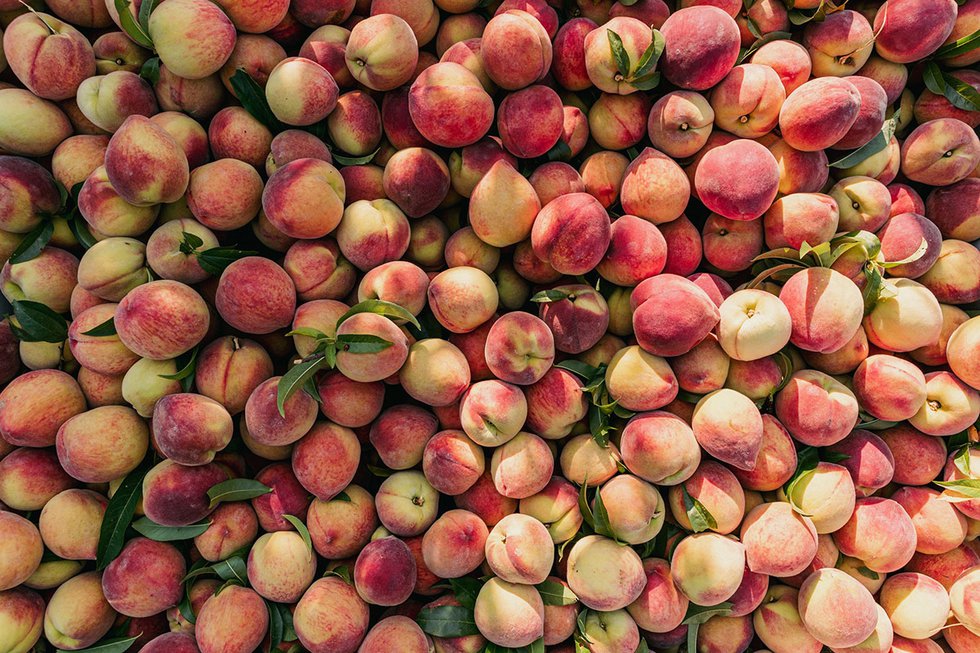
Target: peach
(349,403)
(462,298)
(939,527)
(30,191)
(679,123)
(193,38)
(746,196)
(266,425)
(372,233)
(454,544)
(189,428)
(318,270)
(746,103)
(304,198)
(891,76)
(826,494)
(464,248)
(880,533)
(555,403)
(280,567)
(102,444)
(836,609)
(717,489)
(300,91)
(904,319)
(603,174)
(395,631)
(800,172)
(960,598)
(671,315)
(459,28)
(938,17)
(225,194)
(325,459)
(449,90)
(417,180)
(776,461)
(611,631)
(161,319)
(954,209)
(144,163)
(509,614)
(355,126)
(452,462)
(484,500)
(30,477)
(958,352)
(840,45)
(435,372)
(77,614)
(778,540)
(871,115)
(729,427)
(708,567)
(331,617)
(106,101)
(237,616)
(400,434)
(864,203)
(314,13)
(165,257)
(585,461)
(33,407)
(950,405)
(778,623)
(176,642)
(816,408)
(49,56)
(600,62)
(22,548)
(516,50)
(557,507)
(503,206)
(22,614)
(819,113)
(756,379)
(839,300)
(176,495)
(229,369)
(654,188)
(889,387)
(902,236)
(590,562)
(519,549)
(144,579)
(294,144)
(869,461)
(288,497)
(789,59)
(243,307)
(754,324)
(661,606)
(660,447)
(916,605)
(70,523)
(339,529)
(950,278)
(234,134)
(48,278)
(702,47)
(579,320)
(492,412)
(473,162)
(799,218)
(198,98)
(520,348)
(233,526)
(521,466)
(33,127)
(530,121)
(406,503)
(637,250)
(568,63)
(940,152)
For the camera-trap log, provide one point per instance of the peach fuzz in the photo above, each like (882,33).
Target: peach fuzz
(102,444)
(660,447)
(106,101)
(112,267)
(708,567)
(718,491)
(520,348)
(702,47)
(234,134)
(591,559)
(961,599)
(407,505)
(305,198)
(452,462)
(29,478)
(318,270)
(189,428)
(778,540)
(236,614)
(485,501)
(916,605)
(22,548)
(743,198)
(516,50)
(301,92)
(800,172)
(826,494)
(34,127)
(144,579)
(385,572)
(836,609)
(201,46)
(33,407)
(629,126)
(564,226)
(349,403)
(417,180)
(819,113)
(939,526)
(816,408)
(789,59)
(906,319)
(826,309)
(339,529)
(509,614)
(70,523)
(839,46)
(746,103)
(144,163)
(325,459)
(77,614)
(449,89)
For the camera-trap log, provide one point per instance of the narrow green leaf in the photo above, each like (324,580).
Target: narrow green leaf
(560,151)
(147,528)
(346,160)
(79,229)
(131,26)
(361,343)
(236,489)
(275,625)
(302,530)
(647,82)
(959,46)
(872,147)
(914,256)
(150,70)
(185,609)
(643,647)
(38,323)
(578,368)
(835,457)
(697,614)
(294,378)
(766,38)
(619,53)
(146,8)
(342,572)
(389,310)
(873,286)
(308,332)
(233,569)
(549,296)
(583,504)
(115,645)
(107,328)
(699,516)
(447,621)
(190,243)
(867,573)
(118,515)
(466,590)
(187,370)
(215,260)
(341,496)
(932,77)
(554,593)
(33,242)
(602,525)
(252,97)
(960,94)
(753,28)
(807,460)
(968,487)
(651,56)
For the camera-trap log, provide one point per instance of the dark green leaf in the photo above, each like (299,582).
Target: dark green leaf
(38,323)
(766,38)
(147,528)
(107,328)
(294,378)
(872,147)
(341,496)
(583,504)
(549,296)
(379,470)
(346,160)
(361,343)
(753,28)
(560,151)
(867,573)
(185,609)
(389,310)
(115,645)
(554,593)
(960,94)
(873,286)
(578,368)
(959,46)
(647,82)
(79,229)
(146,8)
(601,517)
(308,332)
(34,241)
(689,397)
(619,54)
(643,647)
(131,26)
(150,70)
(275,625)
(651,56)
(231,569)
(447,621)
(466,590)
(932,77)
(342,572)
(186,373)
(252,97)
(697,615)
(302,530)
(699,516)
(835,457)
(190,243)
(118,515)
(215,260)
(236,489)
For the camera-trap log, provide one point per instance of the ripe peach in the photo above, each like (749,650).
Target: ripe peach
(33,127)
(679,123)
(564,226)
(708,567)
(102,444)
(34,405)
(236,615)
(880,533)
(654,188)
(521,466)
(509,614)
(22,548)
(406,503)
(587,462)
(452,462)
(660,447)
(746,103)
(940,152)
(417,180)
(746,196)
(729,427)
(778,540)
(454,544)
(894,22)
(30,477)
(840,301)
(22,615)
(77,614)
(516,50)
(106,101)
(864,203)
(435,372)
(519,549)
(193,38)
(176,495)
(556,506)
(144,579)
(530,121)
(816,408)
(819,113)
(520,348)
(144,163)
(233,526)
(840,45)
(801,218)
(601,65)
(331,617)
(826,494)
(671,314)
(49,56)
(590,562)
(717,489)
(693,59)
(754,324)
(836,609)
(555,403)
(907,318)
(234,134)
(448,89)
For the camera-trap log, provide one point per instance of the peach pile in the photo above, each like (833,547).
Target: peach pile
(489,326)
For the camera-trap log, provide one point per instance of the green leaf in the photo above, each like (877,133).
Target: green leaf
(647,82)
(601,517)
(932,77)
(578,368)
(185,609)
(447,621)
(699,516)
(79,229)
(38,323)
(147,528)
(33,242)
(294,378)
(872,147)
(959,46)
(146,8)
(341,496)
(753,28)
(115,645)
(252,97)
(308,332)
(186,373)
(648,61)
(275,625)
(231,569)
(236,489)
(807,460)
(302,530)
(150,70)
(960,94)
(835,457)
(583,504)
(215,260)
(389,310)
(342,572)
(619,53)
(107,328)
(766,38)
(118,515)
(643,647)
(867,573)
(968,487)
(130,25)
(554,593)
(190,243)
(697,615)
(466,590)
(873,286)
(362,343)
(560,151)
(346,160)
(962,460)
(549,296)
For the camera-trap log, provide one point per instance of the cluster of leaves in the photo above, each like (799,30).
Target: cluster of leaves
(602,408)
(37,238)
(325,350)
(643,76)
(968,488)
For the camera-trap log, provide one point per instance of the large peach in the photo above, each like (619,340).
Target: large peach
(671,314)
(826,494)
(32,126)
(338,528)
(840,45)
(102,444)
(30,477)
(940,152)
(836,609)
(746,103)
(708,567)
(22,548)
(816,408)
(590,562)
(571,233)
(702,47)
(189,428)
(503,205)
(906,318)
(819,113)
(516,50)
(654,188)
(738,197)
(509,614)
(194,38)
(229,369)
(448,90)
(22,616)
(406,503)
(818,298)
(34,405)
(417,180)
(729,426)
(176,495)
(660,447)
(161,319)
(931,21)
(77,614)
(144,163)
(236,616)
(435,372)
(49,56)
(144,579)
(521,466)
(331,617)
